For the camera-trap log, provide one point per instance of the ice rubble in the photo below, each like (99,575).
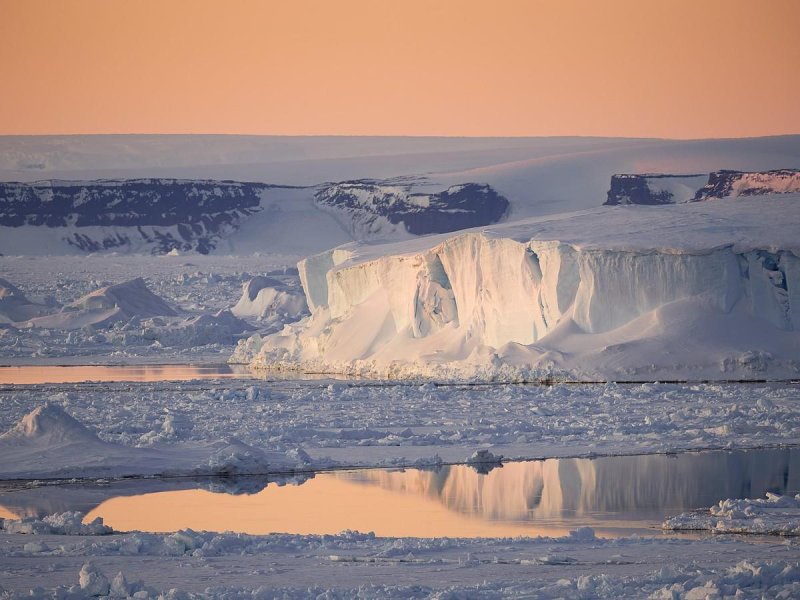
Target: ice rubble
(344,566)
(693,291)
(66,523)
(774,515)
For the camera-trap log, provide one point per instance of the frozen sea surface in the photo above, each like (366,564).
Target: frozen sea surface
(340,423)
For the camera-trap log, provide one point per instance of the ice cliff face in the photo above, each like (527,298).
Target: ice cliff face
(723,184)
(162,214)
(377,208)
(165,215)
(653,189)
(549,296)
(657,189)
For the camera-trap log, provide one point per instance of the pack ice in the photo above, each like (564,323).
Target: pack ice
(706,290)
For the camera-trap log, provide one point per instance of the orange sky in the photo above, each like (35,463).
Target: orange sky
(670,68)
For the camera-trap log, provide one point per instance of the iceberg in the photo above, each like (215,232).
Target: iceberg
(698,291)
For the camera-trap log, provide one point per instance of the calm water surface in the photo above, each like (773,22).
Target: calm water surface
(25,375)
(614,495)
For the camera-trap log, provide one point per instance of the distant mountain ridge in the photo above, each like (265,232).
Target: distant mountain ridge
(161,215)
(178,214)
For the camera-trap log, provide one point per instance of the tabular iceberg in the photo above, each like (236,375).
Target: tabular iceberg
(691,291)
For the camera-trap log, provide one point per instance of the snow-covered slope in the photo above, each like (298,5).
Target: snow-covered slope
(692,291)
(538,176)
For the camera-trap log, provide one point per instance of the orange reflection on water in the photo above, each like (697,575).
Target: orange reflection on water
(26,375)
(327,504)
(7,514)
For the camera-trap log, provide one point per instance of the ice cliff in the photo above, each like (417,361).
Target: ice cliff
(660,188)
(693,291)
(376,208)
(162,214)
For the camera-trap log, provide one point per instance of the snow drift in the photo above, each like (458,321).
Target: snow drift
(107,305)
(697,291)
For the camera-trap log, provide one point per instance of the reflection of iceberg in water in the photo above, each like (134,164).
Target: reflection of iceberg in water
(39,501)
(555,488)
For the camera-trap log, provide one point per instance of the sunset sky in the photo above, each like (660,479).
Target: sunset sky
(675,68)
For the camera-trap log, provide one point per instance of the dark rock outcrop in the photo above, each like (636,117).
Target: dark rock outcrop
(458,207)
(165,214)
(722,184)
(658,188)
(647,188)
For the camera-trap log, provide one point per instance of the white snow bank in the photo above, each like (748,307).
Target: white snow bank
(695,291)
(49,443)
(269,299)
(773,515)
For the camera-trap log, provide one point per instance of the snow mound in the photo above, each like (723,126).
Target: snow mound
(106,306)
(691,291)
(267,298)
(131,297)
(47,424)
(234,457)
(15,307)
(773,515)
